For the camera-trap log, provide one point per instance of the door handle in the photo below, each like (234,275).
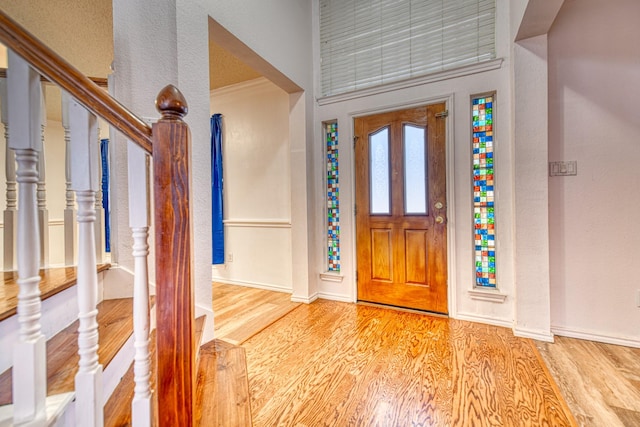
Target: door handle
(439,219)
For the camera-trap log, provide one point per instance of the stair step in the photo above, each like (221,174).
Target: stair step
(118,408)
(115,326)
(222,391)
(52,281)
(117,411)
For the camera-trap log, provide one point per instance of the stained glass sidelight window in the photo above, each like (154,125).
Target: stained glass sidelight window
(333,198)
(483,191)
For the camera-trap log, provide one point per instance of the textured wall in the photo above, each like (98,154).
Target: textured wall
(257,188)
(594,87)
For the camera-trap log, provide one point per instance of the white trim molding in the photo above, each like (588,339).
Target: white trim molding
(468,317)
(591,336)
(331,277)
(236,87)
(257,285)
(257,223)
(534,334)
(52,223)
(481,67)
(330,296)
(305,300)
(491,295)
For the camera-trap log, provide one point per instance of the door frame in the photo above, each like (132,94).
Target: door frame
(450,176)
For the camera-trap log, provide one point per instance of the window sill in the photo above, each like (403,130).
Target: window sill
(493,64)
(332,277)
(487,295)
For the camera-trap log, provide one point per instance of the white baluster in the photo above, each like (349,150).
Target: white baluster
(10,213)
(141,407)
(29,365)
(70,224)
(99,224)
(43,213)
(84,181)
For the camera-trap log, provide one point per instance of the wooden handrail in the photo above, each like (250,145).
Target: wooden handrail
(56,69)
(100,81)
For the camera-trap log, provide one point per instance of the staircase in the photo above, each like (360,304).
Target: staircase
(105,366)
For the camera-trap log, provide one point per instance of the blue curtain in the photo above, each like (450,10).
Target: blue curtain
(104,157)
(216,189)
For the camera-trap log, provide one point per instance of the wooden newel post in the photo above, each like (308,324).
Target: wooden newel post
(174,287)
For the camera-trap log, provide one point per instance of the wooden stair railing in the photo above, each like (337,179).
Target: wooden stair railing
(169,144)
(175,314)
(79,86)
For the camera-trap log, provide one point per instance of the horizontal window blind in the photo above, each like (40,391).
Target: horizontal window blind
(367,43)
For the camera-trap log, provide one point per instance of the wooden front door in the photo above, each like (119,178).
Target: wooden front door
(401,208)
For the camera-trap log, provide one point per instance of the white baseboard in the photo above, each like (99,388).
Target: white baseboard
(335,297)
(258,285)
(591,336)
(304,300)
(482,319)
(534,334)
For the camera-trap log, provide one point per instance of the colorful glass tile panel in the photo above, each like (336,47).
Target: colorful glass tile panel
(333,198)
(483,192)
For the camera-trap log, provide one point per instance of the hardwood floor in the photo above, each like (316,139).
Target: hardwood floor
(53,280)
(117,410)
(222,393)
(115,325)
(600,382)
(241,312)
(338,364)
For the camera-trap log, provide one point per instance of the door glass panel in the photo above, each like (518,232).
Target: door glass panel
(415,170)
(379,170)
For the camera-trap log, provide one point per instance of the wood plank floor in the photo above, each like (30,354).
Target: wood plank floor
(222,393)
(115,325)
(241,312)
(600,382)
(117,410)
(53,280)
(339,364)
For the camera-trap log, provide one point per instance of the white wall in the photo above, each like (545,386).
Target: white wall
(157,43)
(594,87)
(257,187)
(456,91)
(280,33)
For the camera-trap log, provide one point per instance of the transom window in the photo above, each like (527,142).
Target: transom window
(373,42)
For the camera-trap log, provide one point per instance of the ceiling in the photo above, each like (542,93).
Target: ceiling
(225,69)
(91,21)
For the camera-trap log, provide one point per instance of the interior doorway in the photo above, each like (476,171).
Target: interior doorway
(401,208)
(262,142)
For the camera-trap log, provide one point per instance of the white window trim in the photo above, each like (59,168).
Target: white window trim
(491,295)
(467,70)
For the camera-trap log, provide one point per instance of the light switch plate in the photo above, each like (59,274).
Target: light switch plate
(569,168)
